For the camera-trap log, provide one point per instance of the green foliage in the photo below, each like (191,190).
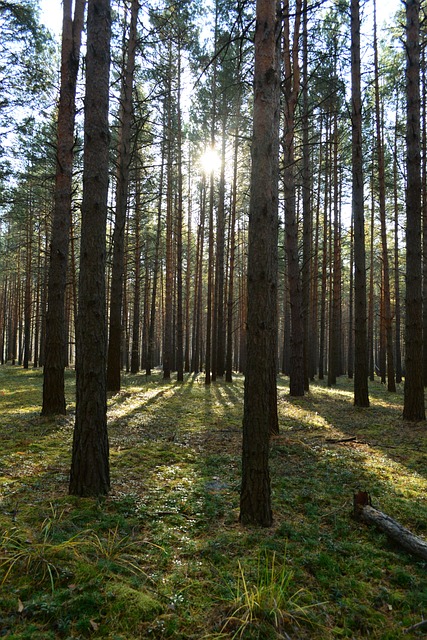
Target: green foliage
(40,559)
(269,604)
(163,556)
(26,59)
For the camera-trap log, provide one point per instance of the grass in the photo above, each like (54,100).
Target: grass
(164,555)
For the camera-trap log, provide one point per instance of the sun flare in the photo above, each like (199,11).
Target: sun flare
(210,160)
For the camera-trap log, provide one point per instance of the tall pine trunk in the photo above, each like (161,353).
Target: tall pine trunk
(388,326)
(413,408)
(54,337)
(90,474)
(291,88)
(397,312)
(260,394)
(361,397)
(122,188)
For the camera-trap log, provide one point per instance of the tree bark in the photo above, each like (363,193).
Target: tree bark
(230,301)
(291,88)
(122,188)
(334,366)
(54,339)
(90,474)
(397,311)
(308,329)
(28,302)
(388,326)
(134,359)
(395,531)
(361,397)
(413,408)
(155,276)
(260,394)
(168,355)
(179,224)
(324,276)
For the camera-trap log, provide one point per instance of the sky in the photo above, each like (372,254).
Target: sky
(51,12)
(51,15)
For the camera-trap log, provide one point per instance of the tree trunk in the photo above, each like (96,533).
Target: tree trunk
(230,301)
(152,324)
(219,266)
(388,326)
(424,204)
(291,84)
(413,408)
(400,535)
(371,354)
(122,188)
(397,311)
(169,275)
(260,394)
(134,359)
(54,338)
(334,368)
(324,278)
(188,276)
(90,465)
(197,309)
(179,221)
(28,289)
(308,330)
(361,398)
(350,349)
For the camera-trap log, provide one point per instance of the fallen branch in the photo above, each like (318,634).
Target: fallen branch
(340,440)
(363,510)
(416,627)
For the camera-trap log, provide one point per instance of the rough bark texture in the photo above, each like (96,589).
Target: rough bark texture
(169,273)
(179,225)
(397,310)
(403,537)
(90,466)
(391,384)
(230,301)
(122,188)
(134,360)
(291,88)
(307,249)
(55,347)
(413,408)
(334,360)
(152,324)
(361,398)
(260,396)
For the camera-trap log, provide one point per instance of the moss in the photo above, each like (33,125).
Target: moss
(171,520)
(129,607)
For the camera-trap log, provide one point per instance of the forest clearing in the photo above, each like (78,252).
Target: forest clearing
(164,556)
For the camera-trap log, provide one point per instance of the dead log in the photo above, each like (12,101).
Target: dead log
(416,627)
(363,510)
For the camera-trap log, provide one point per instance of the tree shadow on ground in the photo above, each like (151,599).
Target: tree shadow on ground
(328,414)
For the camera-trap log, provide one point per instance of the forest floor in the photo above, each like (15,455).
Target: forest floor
(163,556)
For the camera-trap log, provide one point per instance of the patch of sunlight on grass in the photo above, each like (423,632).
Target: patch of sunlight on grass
(124,403)
(299,415)
(384,404)
(395,473)
(333,392)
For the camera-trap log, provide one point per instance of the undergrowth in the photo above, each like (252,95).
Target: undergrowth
(164,555)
